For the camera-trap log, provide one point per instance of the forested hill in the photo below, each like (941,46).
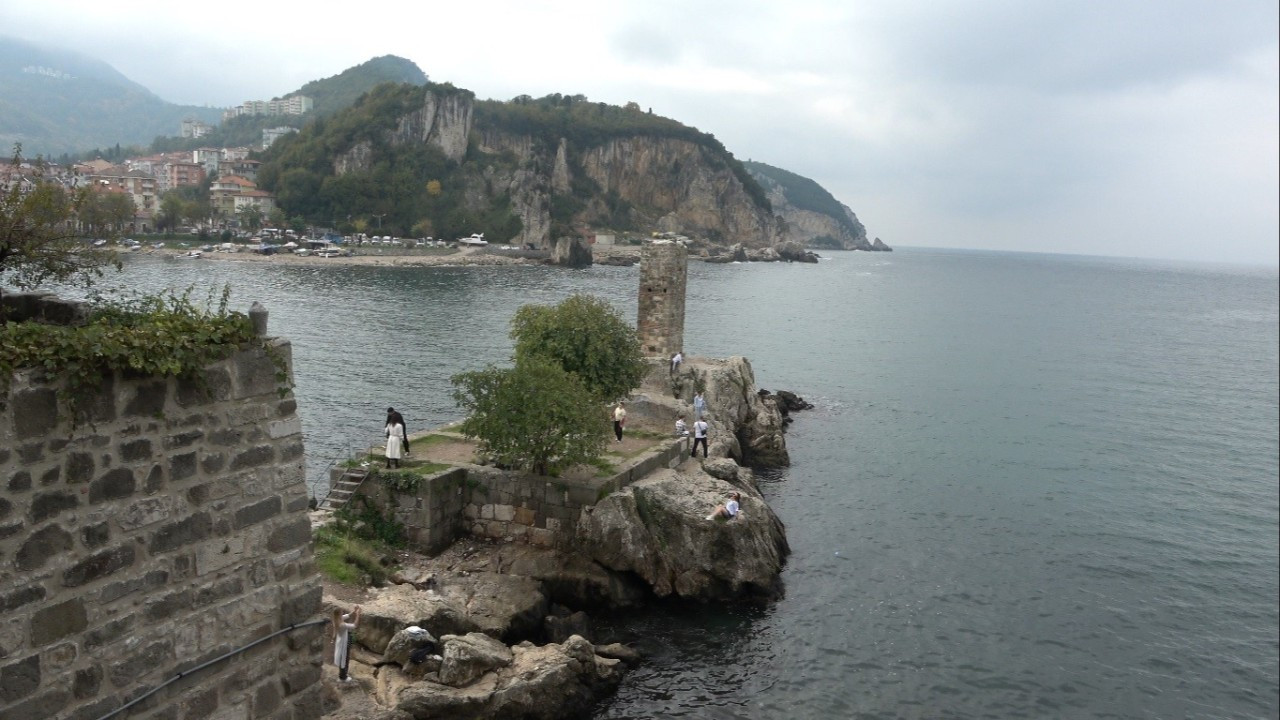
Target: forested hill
(332,94)
(813,215)
(56,101)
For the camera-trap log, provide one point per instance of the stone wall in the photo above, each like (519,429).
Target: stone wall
(499,504)
(168,530)
(660,311)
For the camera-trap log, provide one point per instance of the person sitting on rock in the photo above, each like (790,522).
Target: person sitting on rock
(682,430)
(729,510)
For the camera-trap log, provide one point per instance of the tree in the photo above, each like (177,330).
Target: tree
(585,336)
(104,212)
(251,217)
(534,417)
(38,241)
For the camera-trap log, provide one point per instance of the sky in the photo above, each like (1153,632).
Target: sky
(1137,128)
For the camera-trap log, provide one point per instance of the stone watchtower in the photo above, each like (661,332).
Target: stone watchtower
(660,315)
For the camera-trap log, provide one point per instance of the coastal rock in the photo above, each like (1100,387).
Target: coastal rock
(657,528)
(501,606)
(571,252)
(878,244)
(467,657)
(561,627)
(540,683)
(764,255)
(405,642)
(721,468)
(792,251)
(571,579)
(744,425)
(618,651)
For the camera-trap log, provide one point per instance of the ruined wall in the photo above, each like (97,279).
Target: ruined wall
(168,531)
(500,504)
(660,311)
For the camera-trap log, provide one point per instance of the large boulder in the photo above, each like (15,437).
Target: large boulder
(571,252)
(540,683)
(792,251)
(502,606)
(571,579)
(657,529)
(879,245)
(470,656)
(404,643)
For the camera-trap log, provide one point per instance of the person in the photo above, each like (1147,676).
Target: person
(619,420)
(699,406)
(682,430)
(699,436)
(675,362)
(395,446)
(393,416)
(342,638)
(729,510)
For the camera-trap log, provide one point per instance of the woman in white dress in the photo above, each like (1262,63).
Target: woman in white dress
(395,443)
(343,624)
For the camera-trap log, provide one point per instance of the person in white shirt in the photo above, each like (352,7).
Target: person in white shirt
(729,510)
(682,430)
(675,362)
(343,624)
(619,420)
(699,436)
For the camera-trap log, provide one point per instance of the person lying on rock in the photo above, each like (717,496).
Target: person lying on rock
(729,510)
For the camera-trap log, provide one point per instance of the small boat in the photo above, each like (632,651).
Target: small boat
(191,255)
(476,240)
(158,246)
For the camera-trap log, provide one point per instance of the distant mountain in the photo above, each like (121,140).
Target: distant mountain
(332,94)
(813,216)
(56,101)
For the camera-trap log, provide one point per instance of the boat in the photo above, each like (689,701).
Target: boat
(191,255)
(476,240)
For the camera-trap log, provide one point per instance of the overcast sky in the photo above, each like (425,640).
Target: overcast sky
(1145,128)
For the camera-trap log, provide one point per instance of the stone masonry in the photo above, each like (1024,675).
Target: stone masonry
(166,529)
(660,312)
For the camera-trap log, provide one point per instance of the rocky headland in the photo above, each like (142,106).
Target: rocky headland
(503,628)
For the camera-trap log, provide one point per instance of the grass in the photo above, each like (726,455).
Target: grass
(347,559)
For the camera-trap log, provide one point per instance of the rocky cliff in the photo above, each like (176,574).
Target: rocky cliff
(813,217)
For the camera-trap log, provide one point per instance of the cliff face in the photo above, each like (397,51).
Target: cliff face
(443,121)
(804,225)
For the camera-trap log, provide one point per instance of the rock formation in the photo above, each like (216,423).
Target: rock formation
(657,528)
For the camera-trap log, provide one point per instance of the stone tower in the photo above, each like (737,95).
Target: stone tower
(660,315)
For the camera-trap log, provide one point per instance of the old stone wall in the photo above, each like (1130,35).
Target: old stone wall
(166,531)
(660,311)
(499,504)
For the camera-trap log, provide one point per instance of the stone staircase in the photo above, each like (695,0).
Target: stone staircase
(344,488)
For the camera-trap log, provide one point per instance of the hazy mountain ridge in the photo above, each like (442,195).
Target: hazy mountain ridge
(813,216)
(79,104)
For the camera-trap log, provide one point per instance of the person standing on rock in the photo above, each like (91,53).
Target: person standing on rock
(395,443)
(699,436)
(342,639)
(699,406)
(394,417)
(619,420)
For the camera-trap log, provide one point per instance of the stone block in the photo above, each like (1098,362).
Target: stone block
(302,606)
(486,512)
(32,452)
(266,699)
(504,513)
(112,485)
(94,536)
(291,451)
(54,622)
(141,663)
(86,681)
(165,607)
(98,565)
(213,463)
(188,530)
(213,386)
(292,535)
(47,505)
(42,545)
(253,457)
(108,633)
(284,428)
(177,441)
(147,399)
(257,512)
(135,450)
(255,374)
(525,516)
(45,705)
(51,476)
(182,466)
(212,557)
(61,657)
(147,511)
(155,480)
(20,481)
(80,468)
(98,709)
(35,412)
(17,598)
(19,679)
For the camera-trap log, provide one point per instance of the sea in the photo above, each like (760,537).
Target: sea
(1032,486)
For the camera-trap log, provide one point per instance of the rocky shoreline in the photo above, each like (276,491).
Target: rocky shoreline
(503,629)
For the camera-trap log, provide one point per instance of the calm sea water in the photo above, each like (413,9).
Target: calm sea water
(1034,486)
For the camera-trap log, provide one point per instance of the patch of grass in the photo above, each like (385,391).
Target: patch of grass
(343,557)
(429,440)
(603,467)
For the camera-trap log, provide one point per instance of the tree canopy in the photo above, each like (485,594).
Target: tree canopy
(534,416)
(38,238)
(585,336)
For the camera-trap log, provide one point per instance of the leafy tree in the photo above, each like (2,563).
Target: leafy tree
(534,417)
(38,240)
(251,217)
(103,213)
(585,336)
